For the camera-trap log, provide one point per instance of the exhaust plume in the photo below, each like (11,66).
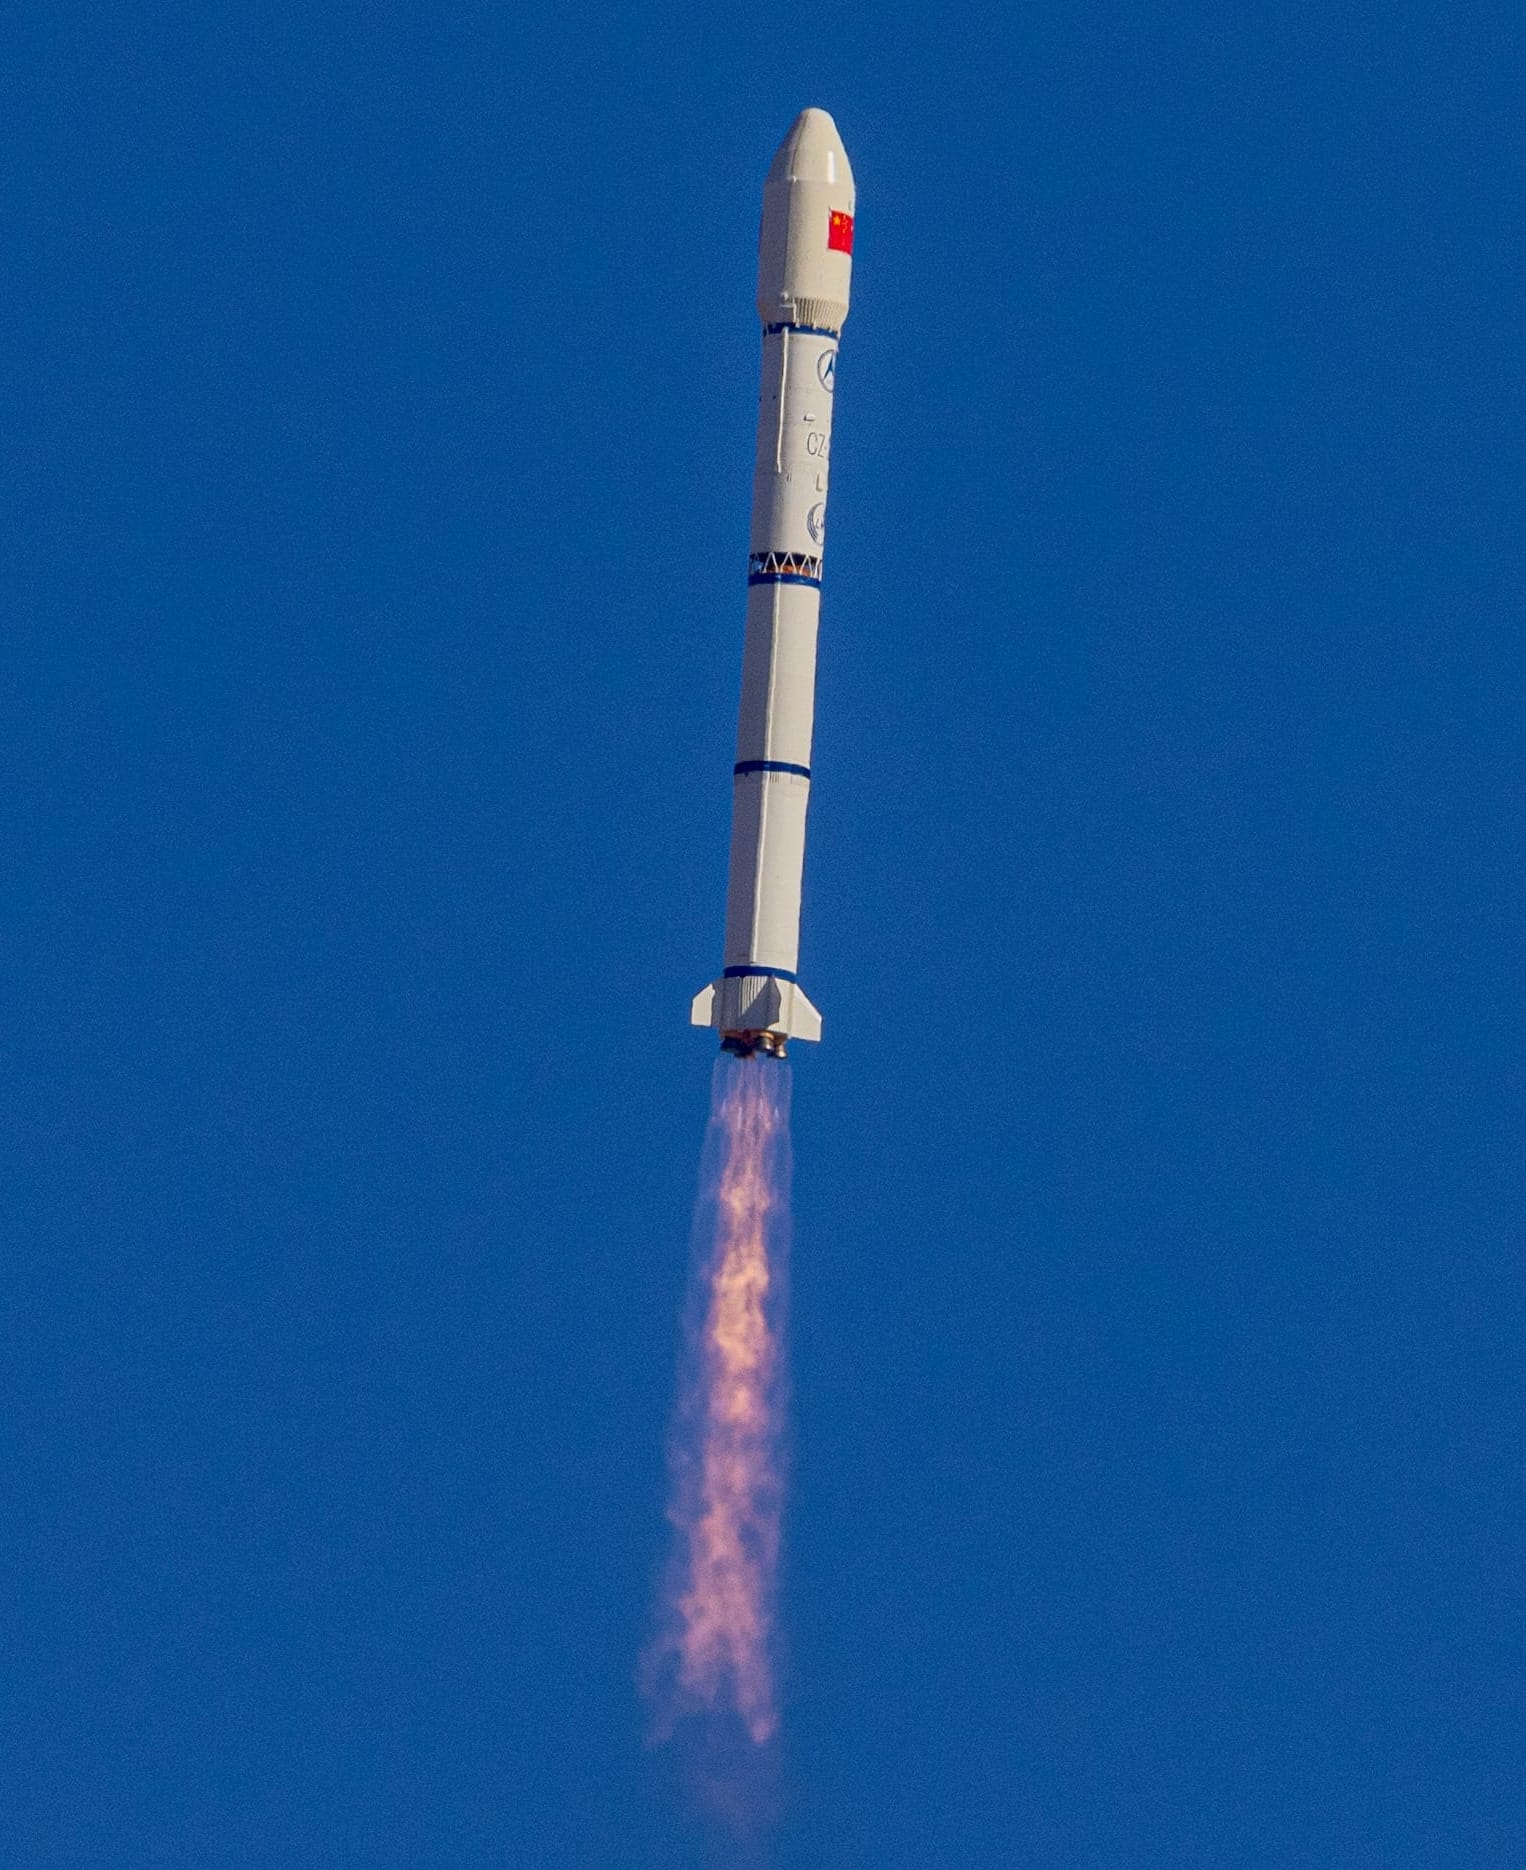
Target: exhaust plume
(716,1655)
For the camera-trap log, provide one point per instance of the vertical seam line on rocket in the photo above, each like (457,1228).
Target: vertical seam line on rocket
(783,385)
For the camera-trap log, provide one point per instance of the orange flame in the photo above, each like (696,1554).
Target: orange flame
(727,1458)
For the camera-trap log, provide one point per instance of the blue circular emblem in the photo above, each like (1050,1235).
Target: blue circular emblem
(816,521)
(826,369)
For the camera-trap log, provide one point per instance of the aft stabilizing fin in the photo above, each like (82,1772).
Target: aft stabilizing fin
(755,1003)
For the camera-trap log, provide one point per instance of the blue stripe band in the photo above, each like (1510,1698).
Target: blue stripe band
(754,967)
(782,577)
(770,766)
(810,331)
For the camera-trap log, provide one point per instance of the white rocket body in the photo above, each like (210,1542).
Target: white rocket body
(804,263)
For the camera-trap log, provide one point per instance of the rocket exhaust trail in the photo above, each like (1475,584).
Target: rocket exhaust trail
(715,1658)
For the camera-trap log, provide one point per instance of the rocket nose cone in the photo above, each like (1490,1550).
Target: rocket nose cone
(805,239)
(811,152)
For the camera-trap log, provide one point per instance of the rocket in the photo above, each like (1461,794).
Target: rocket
(805,259)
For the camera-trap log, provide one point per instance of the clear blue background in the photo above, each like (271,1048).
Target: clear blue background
(378,407)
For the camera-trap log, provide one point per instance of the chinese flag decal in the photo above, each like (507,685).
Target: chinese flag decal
(840,233)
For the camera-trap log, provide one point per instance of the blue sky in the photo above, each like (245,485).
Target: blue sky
(375,494)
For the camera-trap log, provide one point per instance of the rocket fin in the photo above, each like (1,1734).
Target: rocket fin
(805,1021)
(756,1003)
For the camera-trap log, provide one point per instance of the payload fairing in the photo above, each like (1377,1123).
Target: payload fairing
(805,259)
